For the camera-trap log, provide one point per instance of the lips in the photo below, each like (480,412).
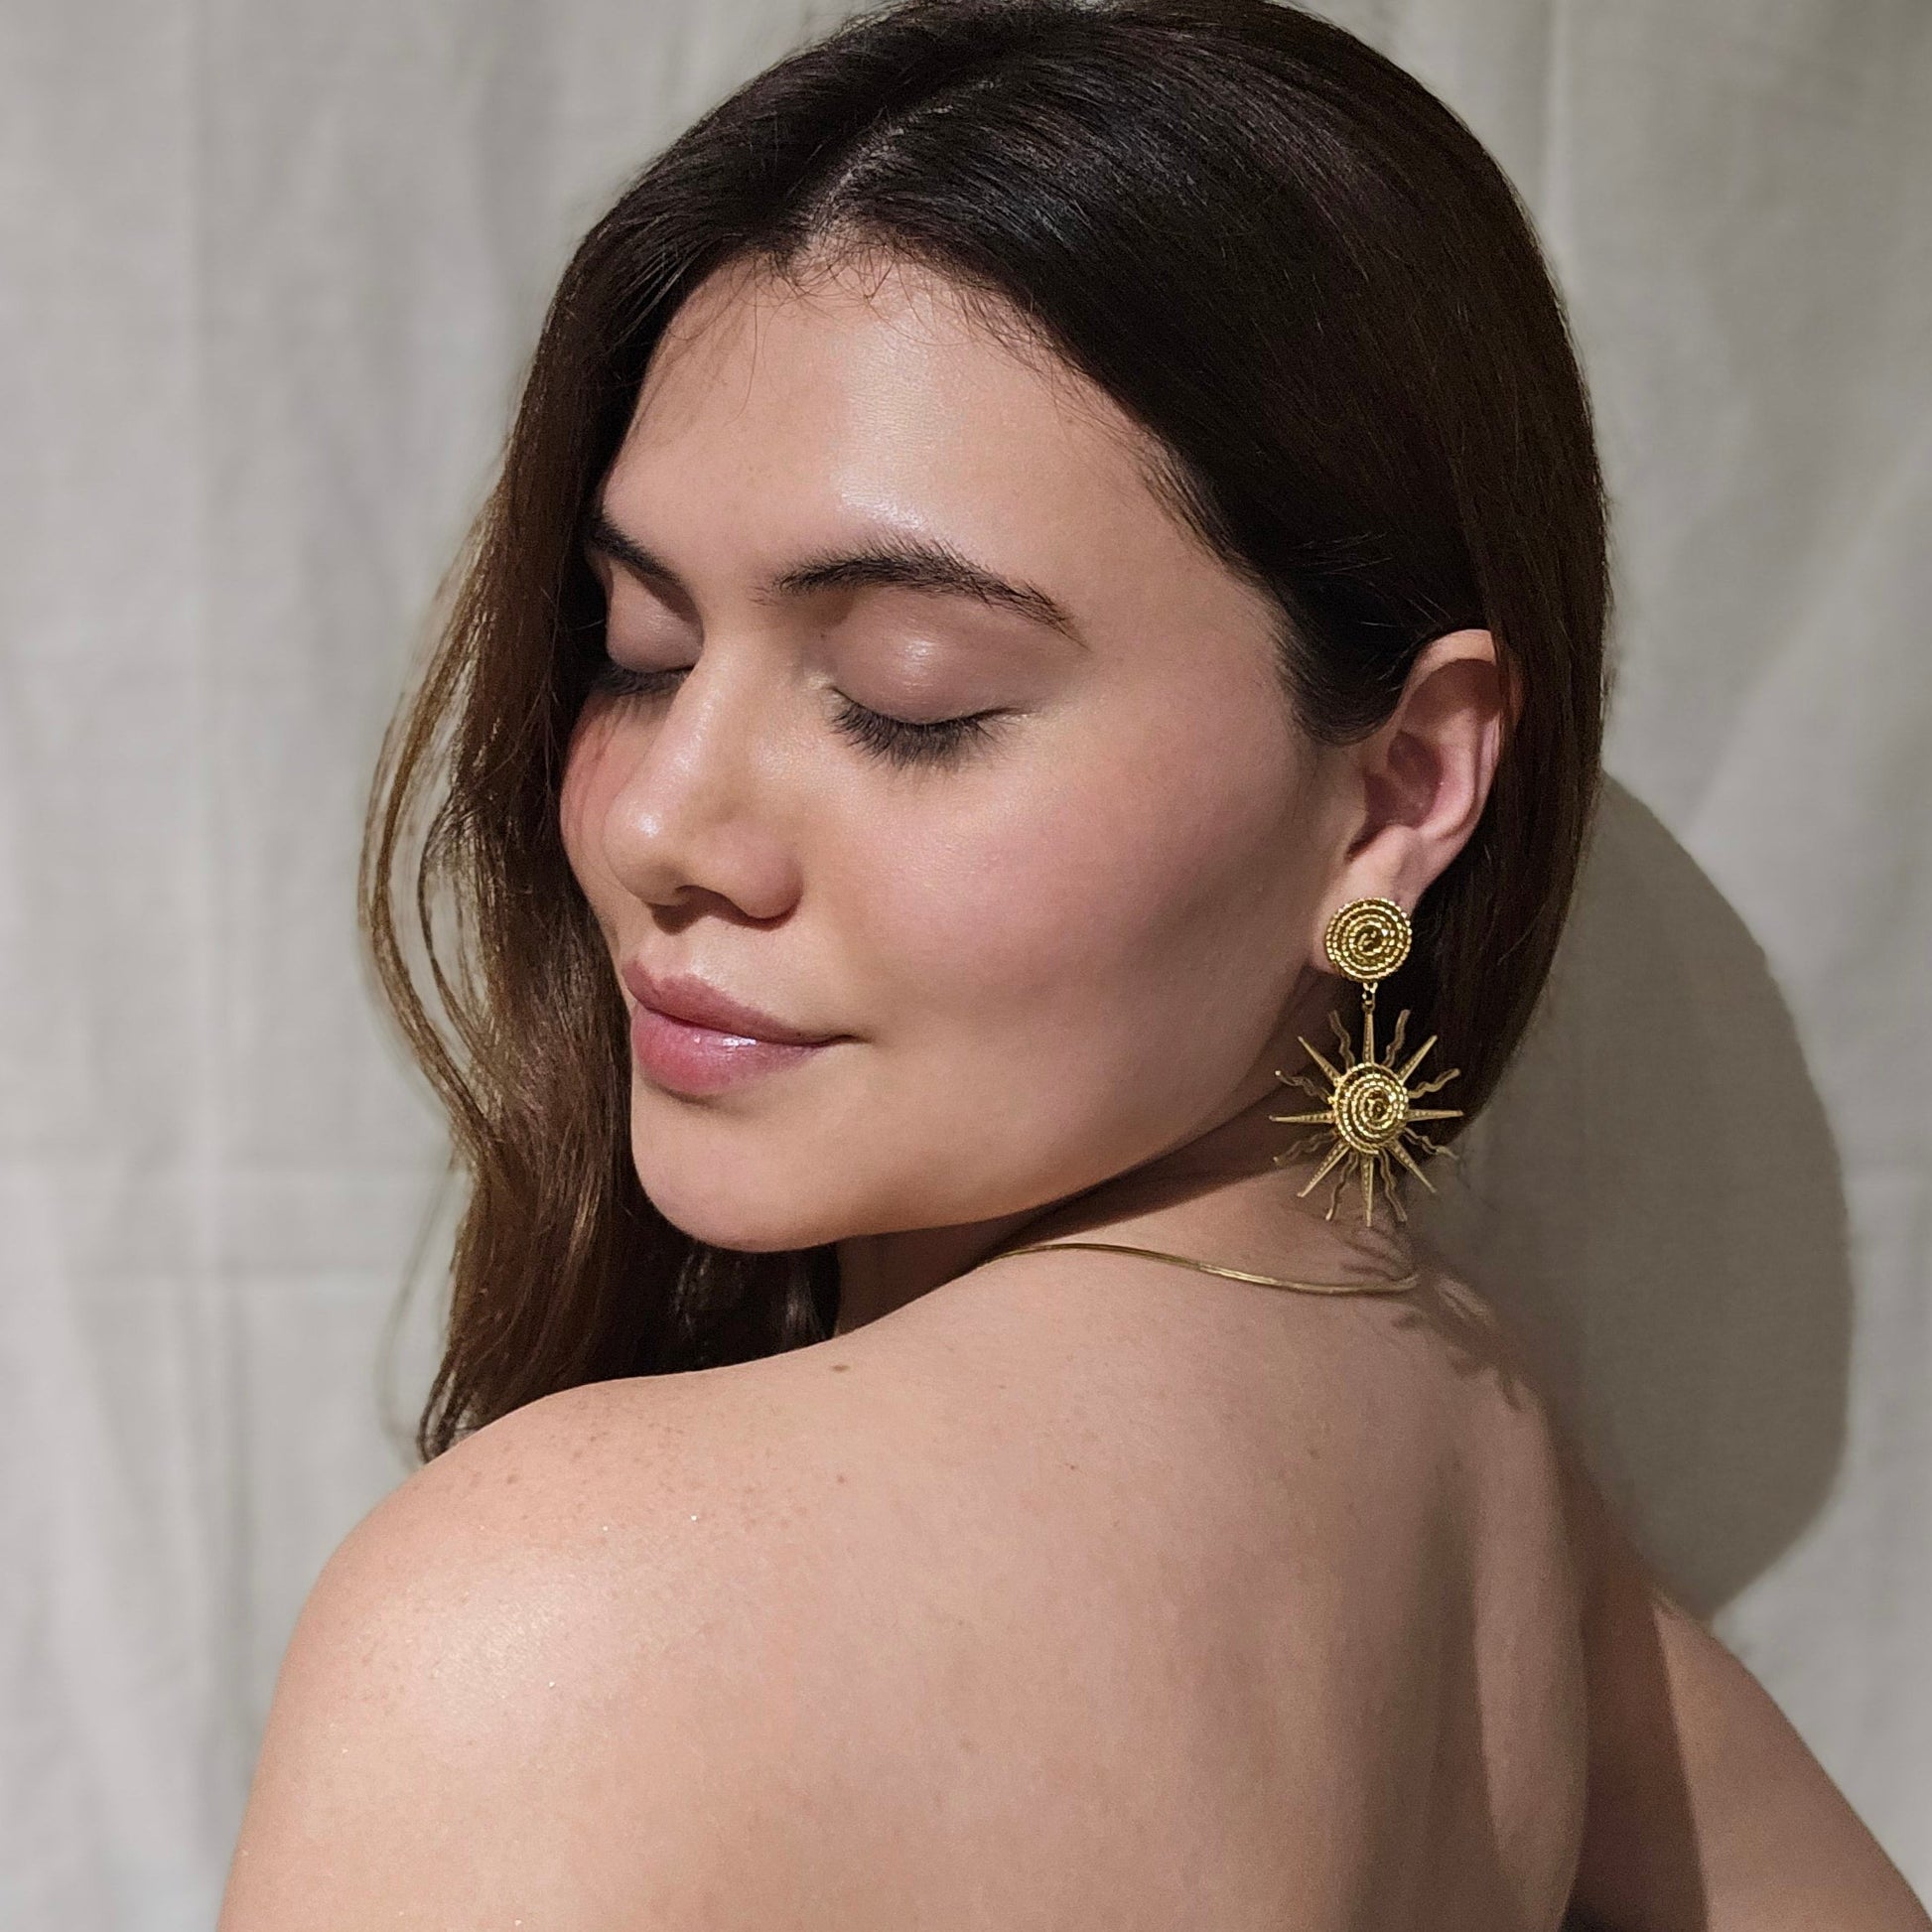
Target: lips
(690,1039)
(682,996)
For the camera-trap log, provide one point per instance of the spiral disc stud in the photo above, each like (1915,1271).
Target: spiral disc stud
(1368,938)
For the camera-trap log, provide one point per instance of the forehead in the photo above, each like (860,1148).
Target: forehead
(873,389)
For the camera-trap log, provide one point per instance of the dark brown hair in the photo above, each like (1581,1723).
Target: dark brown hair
(1280,255)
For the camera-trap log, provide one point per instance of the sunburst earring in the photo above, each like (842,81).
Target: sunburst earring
(1370,1103)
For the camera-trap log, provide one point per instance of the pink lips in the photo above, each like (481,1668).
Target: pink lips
(694,1039)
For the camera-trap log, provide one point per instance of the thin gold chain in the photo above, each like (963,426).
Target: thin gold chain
(1395,1287)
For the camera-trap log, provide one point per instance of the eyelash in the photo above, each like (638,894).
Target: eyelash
(898,740)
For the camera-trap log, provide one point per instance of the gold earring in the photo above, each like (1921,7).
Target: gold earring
(1370,1102)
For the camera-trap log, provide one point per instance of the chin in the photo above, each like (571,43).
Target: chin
(731,1220)
(740,1204)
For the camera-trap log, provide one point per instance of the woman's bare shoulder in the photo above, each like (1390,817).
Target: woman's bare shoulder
(1032,1519)
(477,1643)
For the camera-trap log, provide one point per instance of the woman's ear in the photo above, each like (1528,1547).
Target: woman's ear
(1424,777)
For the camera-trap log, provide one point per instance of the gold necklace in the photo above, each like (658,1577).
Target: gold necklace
(1395,1287)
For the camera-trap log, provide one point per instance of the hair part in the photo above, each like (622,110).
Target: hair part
(1291,265)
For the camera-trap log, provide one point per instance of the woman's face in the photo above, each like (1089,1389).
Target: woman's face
(1052,948)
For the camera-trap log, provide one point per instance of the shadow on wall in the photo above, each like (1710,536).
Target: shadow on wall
(1653,1199)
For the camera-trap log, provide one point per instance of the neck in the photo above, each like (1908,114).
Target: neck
(1218,1197)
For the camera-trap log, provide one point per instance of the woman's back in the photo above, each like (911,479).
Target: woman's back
(1076,1592)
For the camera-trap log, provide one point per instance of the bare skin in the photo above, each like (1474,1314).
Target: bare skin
(1059,1589)
(1069,1595)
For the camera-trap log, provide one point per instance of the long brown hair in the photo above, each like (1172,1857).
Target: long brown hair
(1276,250)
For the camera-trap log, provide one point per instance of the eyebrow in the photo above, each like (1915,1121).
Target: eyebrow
(926,564)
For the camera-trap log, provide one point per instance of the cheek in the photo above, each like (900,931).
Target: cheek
(1089,960)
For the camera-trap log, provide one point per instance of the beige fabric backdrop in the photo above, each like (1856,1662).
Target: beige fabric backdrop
(267,270)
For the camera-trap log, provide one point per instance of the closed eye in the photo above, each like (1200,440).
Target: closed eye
(613,680)
(939,740)
(897,740)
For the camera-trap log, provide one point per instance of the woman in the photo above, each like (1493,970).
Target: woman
(1043,547)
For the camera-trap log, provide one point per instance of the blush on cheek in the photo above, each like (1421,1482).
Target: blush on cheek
(1139,870)
(1083,989)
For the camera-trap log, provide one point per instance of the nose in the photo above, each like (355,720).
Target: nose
(698,812)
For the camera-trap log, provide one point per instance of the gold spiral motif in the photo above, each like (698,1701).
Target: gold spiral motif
(1371,1107)
(1368,938)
